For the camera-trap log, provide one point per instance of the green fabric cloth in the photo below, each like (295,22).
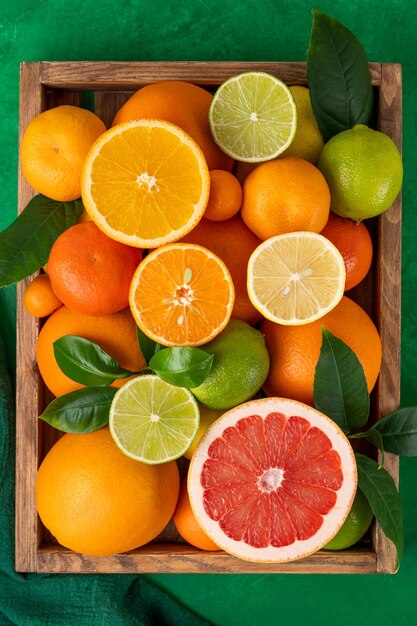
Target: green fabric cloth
(56,599)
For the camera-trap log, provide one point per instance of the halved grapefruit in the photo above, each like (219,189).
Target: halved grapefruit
(272,480)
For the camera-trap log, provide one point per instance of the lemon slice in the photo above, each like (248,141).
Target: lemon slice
(296,278)
(152,421)
(253,117)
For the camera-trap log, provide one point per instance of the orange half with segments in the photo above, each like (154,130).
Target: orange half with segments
(182,295)
(145,183)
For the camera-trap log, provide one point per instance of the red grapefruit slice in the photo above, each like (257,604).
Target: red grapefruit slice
(272,480)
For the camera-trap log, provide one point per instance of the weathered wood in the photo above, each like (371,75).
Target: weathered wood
(107,103)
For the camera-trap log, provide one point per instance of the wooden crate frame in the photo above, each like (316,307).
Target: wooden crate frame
(44,85)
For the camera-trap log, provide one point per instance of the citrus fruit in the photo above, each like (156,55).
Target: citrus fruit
(116,334)
(283,196)
(296,278)
(145,183)
(364,171)
(207,417)
(187,525)
(239,369)
(97,501)
(294,350)
(153,421)
(90,272)
(233,243)
(225,197)
(183,104)
(272,480)
(355,526)
(253,117)
(308,141)
(354,243)
(40,299)
(181,295)
(54,147)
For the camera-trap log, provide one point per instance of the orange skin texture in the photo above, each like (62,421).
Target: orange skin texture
(40,299)
(285,195)
(54,148)
(97,501)
(233,242)
(180,103)
(225,197)
(187,525)
(294,350)
(354,243)
(116,334)
(90,272)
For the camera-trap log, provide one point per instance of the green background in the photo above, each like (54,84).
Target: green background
(248,30)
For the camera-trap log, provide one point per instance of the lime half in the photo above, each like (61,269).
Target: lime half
(253,117)
(152,421)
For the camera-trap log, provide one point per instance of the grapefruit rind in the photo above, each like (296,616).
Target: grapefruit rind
(332,521)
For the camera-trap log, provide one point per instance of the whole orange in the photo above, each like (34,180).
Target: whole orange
(54,147)
(354,243)
(180,103)
(225,197)
(233,242)
(90,272)
(283,196)
(97,501)
(116,334)
(40,299)
(187,525)
(294,350)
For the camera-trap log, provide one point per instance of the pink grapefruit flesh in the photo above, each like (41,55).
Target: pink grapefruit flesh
(272,480)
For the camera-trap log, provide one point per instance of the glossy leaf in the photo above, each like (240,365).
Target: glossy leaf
(87,363)
(399,431)
(183,367)
(338,77)
(340,388)
(147,346)
(375,438)
(80,411)
(26,243)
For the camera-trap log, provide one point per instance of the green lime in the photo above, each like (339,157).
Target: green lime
(364,171)
(253,117)
(152,421)
(355,525)
(308,141)
(240,366)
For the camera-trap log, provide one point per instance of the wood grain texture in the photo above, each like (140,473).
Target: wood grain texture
(107,103)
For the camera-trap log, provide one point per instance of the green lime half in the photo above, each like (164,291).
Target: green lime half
(253,117)
(152,421)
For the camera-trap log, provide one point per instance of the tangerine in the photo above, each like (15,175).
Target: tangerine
(187,525)
(225,197)
(40,299)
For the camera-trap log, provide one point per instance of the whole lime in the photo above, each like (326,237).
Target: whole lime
(240,366)
(355,525)
(308,141)
(364,171)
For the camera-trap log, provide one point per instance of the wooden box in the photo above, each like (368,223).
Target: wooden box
(107,86)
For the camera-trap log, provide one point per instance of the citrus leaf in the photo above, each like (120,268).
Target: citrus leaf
(26,243)
(375,438)
(338,77)
(183,367)
(80,411)
(87,363)
(382,495)
(398,431)
(340,389)
(147,346)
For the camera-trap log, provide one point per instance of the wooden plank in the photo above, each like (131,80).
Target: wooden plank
(107,103)
(97,76)
(32,102)
(389,293)
(180,558)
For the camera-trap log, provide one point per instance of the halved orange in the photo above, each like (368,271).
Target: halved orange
(145,183)
(182,295)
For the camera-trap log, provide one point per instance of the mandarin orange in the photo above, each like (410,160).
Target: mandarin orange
(187,525)
(40,299)
(225,197)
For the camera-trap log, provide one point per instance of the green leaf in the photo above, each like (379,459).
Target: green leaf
(147,346)
(399,431)
(87,363)
(384,500)
(375,438)
(338,77)
(340,389)
(183,367)
(26,243)
(80,411)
